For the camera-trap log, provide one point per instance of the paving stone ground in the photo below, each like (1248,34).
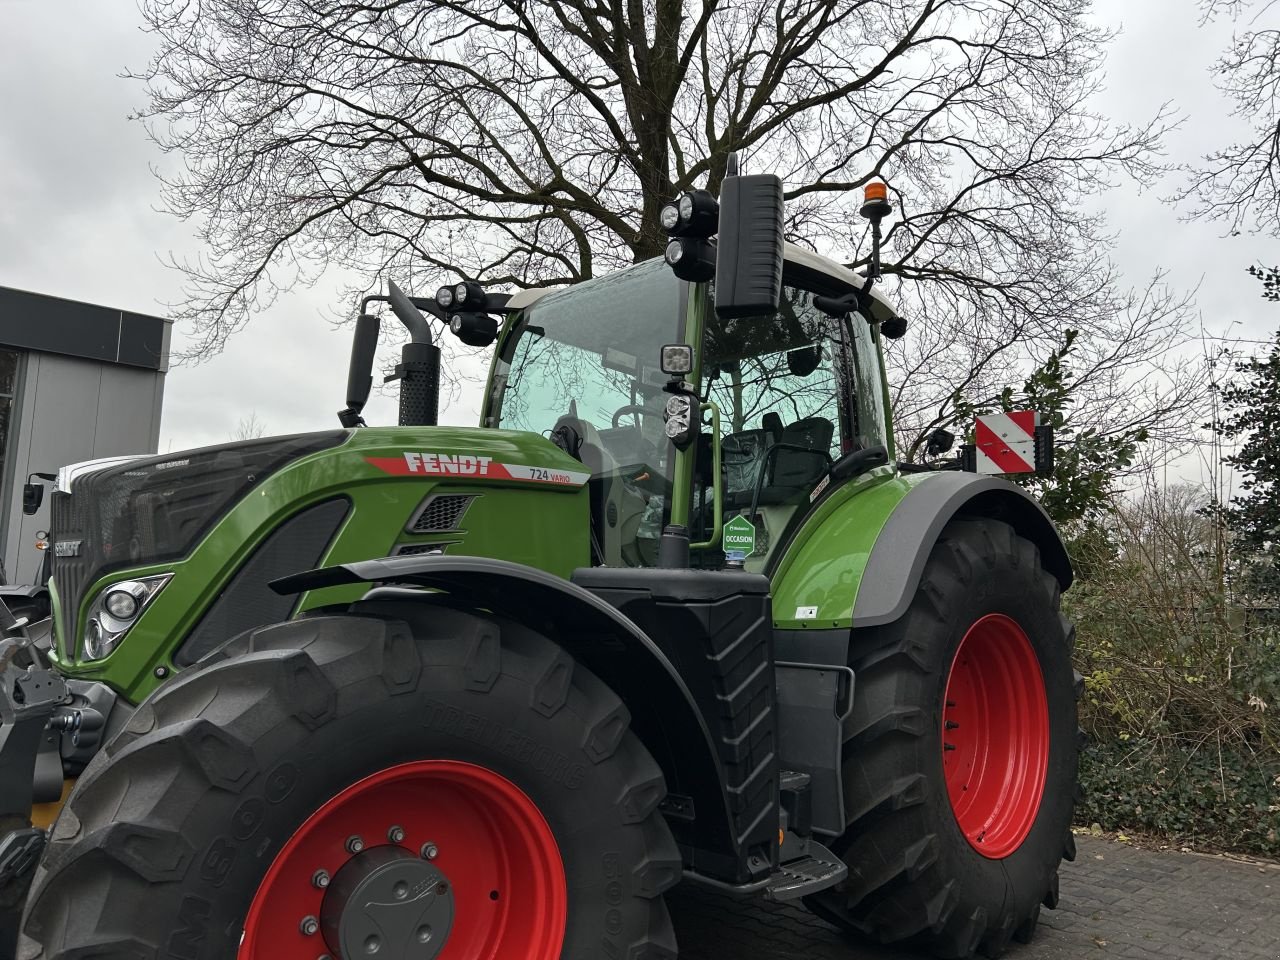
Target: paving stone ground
(1118,901)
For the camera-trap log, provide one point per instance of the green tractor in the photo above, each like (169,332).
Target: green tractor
(672,613)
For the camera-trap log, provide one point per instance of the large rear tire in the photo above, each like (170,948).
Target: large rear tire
(961,764)
(502,806)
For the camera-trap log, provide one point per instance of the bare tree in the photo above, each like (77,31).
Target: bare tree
(249,428)
(1238,185)
(532,142)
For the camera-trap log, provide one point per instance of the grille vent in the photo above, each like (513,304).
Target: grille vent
(440,512)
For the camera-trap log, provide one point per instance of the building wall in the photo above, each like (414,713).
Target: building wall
(69,410)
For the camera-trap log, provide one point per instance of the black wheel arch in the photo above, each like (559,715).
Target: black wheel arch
(663,711)
(898,556)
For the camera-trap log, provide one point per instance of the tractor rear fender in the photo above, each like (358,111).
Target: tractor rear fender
(900,551)
(856,560)
(663,712)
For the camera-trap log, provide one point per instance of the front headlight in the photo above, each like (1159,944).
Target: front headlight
(115,611)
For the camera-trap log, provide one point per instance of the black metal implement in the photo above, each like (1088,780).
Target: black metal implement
(29,697)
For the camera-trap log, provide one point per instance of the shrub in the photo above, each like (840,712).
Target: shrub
(1182,680)
(1229,800)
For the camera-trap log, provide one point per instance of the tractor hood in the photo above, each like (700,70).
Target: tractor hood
(67,475)
(205,530)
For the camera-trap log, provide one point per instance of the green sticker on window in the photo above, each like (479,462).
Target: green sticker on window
(739,537)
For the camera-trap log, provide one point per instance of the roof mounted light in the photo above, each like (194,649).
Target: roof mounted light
(695,214)
(691,258)
(875,201)
(875,207)
(468,295)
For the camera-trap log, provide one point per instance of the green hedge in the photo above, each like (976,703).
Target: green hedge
(1230,802)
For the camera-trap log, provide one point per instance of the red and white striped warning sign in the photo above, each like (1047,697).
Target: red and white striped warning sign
(1006,442)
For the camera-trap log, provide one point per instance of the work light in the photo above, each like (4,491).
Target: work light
(680,424)
(474,329)
(677,359)
(468,295)
(691,258)
(695,214)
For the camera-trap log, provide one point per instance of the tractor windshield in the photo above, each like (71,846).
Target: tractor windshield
(795,390)
(586,359)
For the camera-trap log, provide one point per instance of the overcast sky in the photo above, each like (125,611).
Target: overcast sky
(79,219)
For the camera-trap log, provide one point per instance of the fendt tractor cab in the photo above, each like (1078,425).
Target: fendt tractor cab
(672,612)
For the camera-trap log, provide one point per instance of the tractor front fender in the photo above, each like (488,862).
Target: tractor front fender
(857,560)
(663,712)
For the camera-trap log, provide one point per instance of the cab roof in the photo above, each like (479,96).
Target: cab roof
(799,256)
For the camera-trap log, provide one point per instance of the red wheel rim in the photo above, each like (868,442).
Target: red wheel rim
(491,842)
(995,736)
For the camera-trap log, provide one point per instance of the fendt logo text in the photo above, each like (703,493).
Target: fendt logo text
(443,463)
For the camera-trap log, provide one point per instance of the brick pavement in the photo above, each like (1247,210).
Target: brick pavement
(1118,901)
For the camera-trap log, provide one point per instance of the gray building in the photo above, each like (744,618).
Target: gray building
(77,382)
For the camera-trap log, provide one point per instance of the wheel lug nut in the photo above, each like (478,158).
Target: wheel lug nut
(320,879)
(396,834)
(309,926)
(430,851)
(354,844)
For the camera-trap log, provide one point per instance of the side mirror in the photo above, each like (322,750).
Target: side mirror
(32,497)
(749,247)
(33,493)
(360,373)
(894,328)
(939,442)
(804,360)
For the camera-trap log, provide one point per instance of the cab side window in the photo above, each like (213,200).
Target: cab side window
(786,410)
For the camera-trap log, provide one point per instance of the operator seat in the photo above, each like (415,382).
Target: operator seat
(772,424)
(580,440)
(799,460)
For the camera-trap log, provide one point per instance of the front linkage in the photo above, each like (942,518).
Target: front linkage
(37,706)
(30,696)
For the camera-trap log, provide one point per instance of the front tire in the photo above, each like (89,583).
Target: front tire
(961,760)
(461,764)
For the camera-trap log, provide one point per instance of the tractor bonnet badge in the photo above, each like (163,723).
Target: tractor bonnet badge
(437,463)
(413,463)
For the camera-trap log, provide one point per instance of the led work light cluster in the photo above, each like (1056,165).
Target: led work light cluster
(467,305)
(690,222)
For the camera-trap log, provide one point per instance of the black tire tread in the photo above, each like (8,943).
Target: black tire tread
(899,896)
(121,825)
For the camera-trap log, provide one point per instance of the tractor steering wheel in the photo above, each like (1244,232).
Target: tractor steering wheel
(629,408)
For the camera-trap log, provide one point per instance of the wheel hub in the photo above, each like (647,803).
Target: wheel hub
(387,904)
(995,736)
(408,859)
